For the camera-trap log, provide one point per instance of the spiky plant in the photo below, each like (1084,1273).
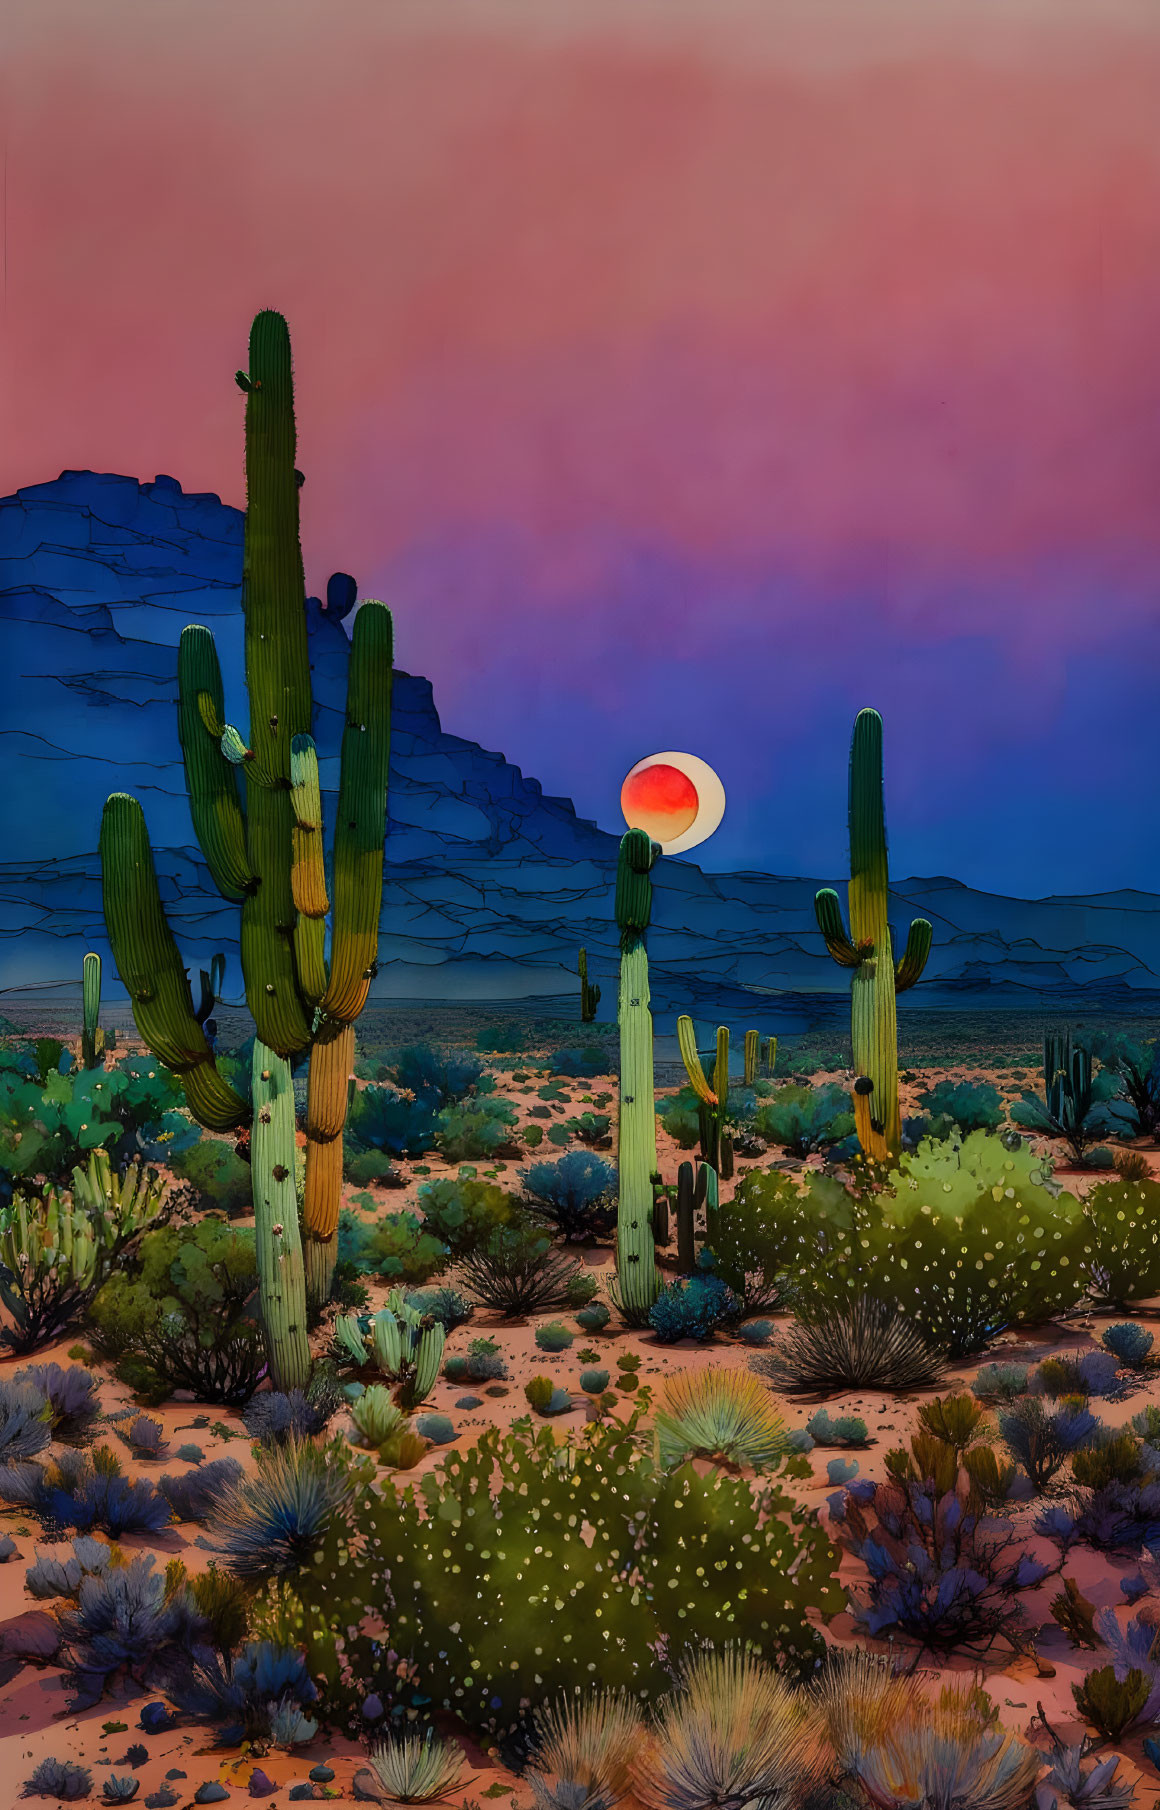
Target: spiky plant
(735,1733)
(860,1698)
(583,1754)
(414,1768)
(949,1755)
(268,1524)
(866,1344)
(721,1414)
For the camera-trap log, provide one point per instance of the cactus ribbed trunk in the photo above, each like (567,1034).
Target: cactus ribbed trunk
(281,1284)
(869,949)
(637,1160)
(636,1266)
(331,1065)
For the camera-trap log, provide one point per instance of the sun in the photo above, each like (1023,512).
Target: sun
(677,799)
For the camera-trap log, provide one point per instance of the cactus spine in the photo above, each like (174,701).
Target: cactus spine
(869,950)
(716,1144)
(637,1276)
(589,995)
(264,850)
(92,1036)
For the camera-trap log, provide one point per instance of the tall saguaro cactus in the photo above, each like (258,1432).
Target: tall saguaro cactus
(257,812)
(637,1276)
(869,950)
(589,994)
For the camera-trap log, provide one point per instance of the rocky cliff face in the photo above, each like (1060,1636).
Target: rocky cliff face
(490,885)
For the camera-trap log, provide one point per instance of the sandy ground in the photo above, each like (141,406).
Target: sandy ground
(34,1721)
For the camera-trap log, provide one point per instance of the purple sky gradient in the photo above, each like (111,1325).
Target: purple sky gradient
(685,376)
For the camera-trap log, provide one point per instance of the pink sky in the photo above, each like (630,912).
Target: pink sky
(788,335)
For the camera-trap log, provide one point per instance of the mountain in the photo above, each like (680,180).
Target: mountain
(490,885)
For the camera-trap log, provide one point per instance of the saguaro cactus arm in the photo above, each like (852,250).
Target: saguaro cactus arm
(362,813)
(687,1043)
(308,869)
(92,1036)
(151,968)
(212,781)
(828,912)
(910,964)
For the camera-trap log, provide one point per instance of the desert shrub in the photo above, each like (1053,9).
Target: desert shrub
(1001,1382)
(949,1751)
(52,1120)
(476,1129)
(680,1117)
(577,1192)
(145,1437)
(219,1177)
(378,1118)
(58,1247)
(121,1623)
(82,1492)
(805,1119)
(25,1421)
(1113,1705)
(867,1345)
(60,1779)
(591,1128)
(446,1305)
(273,1417)
(1128,1343)
(1088,1373)
(692,1307)
(438,1428)
(756,1238)
(544,1397)
(588,1522)
(583,1751)
(193,1494)
(1042,1438)
(502,1039)
(267,1525)
(518,1273)
(965,1105)
(440,1076)
(396,1246)
(481,1363)
(734,1733)
(413,1768)
(462,1212)
(262,1694)
(1116,1495)
(966,1236)
(1123,1220)
(370,1168)
(1134,1066)
(720,1414)
(593,1318)
(841,1430)
(594,1382)
(554,1337)
(942,1571)
(176,1322)
(72,1394)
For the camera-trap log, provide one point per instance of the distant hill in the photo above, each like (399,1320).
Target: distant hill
(491,887)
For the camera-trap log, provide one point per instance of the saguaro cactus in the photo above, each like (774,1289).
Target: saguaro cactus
(752,1056)
(92,1036)
(716,1144)
(869,949)
(265,852)
(589,995)
(637,1276)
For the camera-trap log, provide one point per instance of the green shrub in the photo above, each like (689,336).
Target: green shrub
(680,1117)
(553,1337)
(967,1105)
(533,1136)
(369,1168)
(218,1175)
(396,1246)
(483,1127)
(1123,1221)
(756,1238)
(463,1212)
(589,1535)
(804,1119)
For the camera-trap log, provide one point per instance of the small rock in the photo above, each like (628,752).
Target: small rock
(365,1787)
(210,1793)
(261,1784)
(469,1401)
(322,1774)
